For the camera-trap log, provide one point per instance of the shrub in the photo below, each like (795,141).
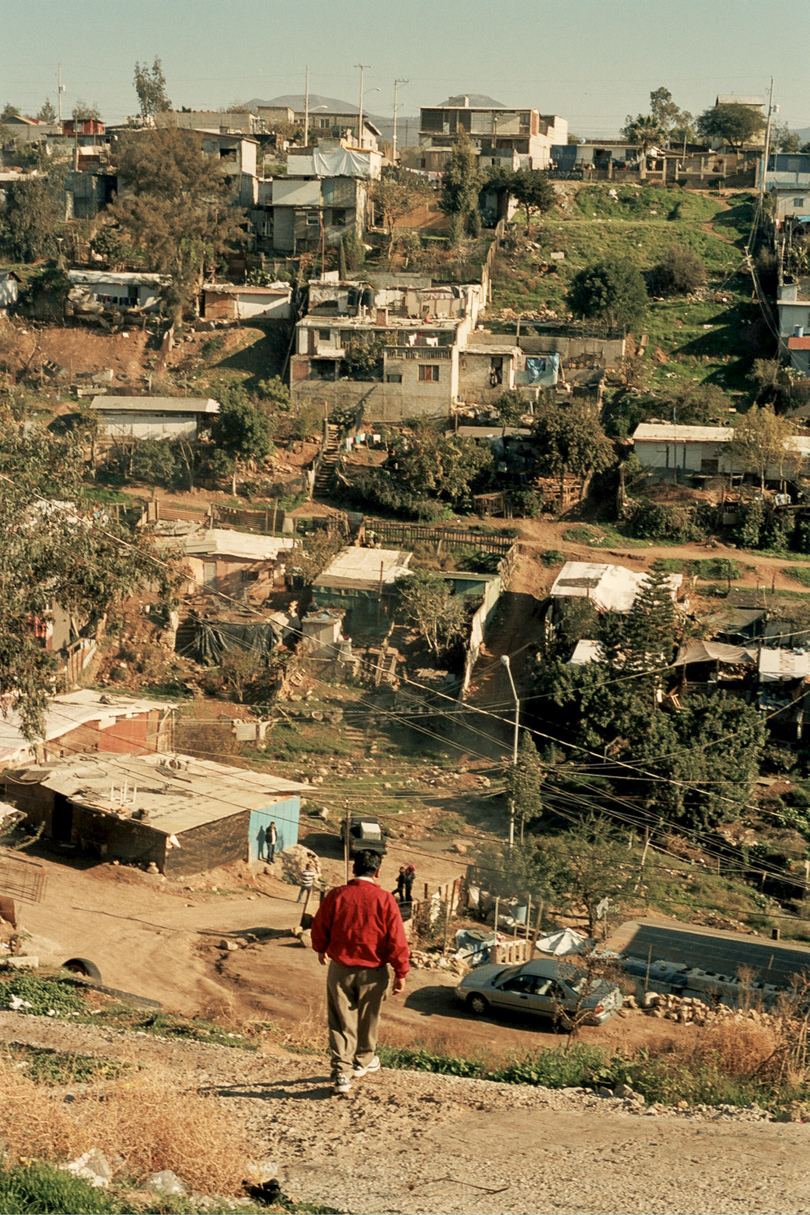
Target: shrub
(750,524)
(553,556)
(679,271)
(657,521)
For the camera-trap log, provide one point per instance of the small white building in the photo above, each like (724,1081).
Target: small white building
(668,449)
(117,290)
(227,301)
(153,417)
(666,445)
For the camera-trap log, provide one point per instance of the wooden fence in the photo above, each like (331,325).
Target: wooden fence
(393,532)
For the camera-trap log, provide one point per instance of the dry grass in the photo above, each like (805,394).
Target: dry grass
(147,1122)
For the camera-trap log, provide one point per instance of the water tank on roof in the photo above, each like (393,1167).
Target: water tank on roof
(368,298)
(798,330)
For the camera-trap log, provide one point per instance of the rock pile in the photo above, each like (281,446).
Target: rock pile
(691,1010)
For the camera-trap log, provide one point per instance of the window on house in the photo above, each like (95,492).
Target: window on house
(429,372)
(312,219)
(324,335)
(393,377)
(250,575)
(798,202)
(339,215)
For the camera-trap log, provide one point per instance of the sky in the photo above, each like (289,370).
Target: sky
(590,61)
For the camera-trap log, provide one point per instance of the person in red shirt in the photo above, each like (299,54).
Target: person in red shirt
(359,928)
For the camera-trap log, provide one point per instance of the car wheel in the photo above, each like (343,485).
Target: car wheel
(83,966)
(478,1005)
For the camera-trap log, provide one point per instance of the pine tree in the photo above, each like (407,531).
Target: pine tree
(650,630)
(525,783)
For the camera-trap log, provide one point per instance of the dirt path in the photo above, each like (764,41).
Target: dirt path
(415,1143)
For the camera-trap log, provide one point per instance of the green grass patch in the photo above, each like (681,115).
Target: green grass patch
(701,340)
(43,997)
(167,1025)
(666,1079)
(552,556)
(799,573)
(53,1067)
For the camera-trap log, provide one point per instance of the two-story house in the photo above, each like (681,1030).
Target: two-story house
(514,138)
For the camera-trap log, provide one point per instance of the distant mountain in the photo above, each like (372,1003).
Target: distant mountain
(405,125)
(297,101)
(474,99)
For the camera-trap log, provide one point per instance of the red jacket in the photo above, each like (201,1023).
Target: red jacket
(360,925)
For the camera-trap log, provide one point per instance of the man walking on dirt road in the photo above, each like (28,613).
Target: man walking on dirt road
(359,928)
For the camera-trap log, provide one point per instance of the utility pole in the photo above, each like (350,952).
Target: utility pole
(362,67)
(60,88)
(397,83)
(767,147)
(506,663)
(306,110)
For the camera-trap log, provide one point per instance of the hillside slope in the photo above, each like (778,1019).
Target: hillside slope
(418,1143)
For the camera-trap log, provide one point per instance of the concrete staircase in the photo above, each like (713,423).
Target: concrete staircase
(325,476)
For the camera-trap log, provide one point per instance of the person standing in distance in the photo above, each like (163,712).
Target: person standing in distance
(359,928)
(272,840)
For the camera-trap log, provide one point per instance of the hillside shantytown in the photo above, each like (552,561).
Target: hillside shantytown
(438,486)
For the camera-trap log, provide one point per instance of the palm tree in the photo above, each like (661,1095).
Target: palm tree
(645,132)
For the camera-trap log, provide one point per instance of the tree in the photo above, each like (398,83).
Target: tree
(461,186)
(524,783)
(590,864)
(241,429)
(31,217)
(533,191)
(610,291)
(570,440)
(675,124)
(772,379)
(427,603)
(510,407)
(177,209)
(708,755)
(733,124)
(679,272)
(47,113)
(435,466)
(760,442)
(56,549)
(395,194)
(783,139)
(9,111)
(646,133)
(83,112)
(363,357)
(150,85)
(649,633)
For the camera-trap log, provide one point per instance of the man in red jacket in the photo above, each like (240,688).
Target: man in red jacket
(359,928)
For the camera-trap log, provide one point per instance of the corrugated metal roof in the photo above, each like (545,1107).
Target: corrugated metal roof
(222,542)
(174,799)
(68,712)
(124,278)
(155,404)
(670,432)
(360,567)
(611,588)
